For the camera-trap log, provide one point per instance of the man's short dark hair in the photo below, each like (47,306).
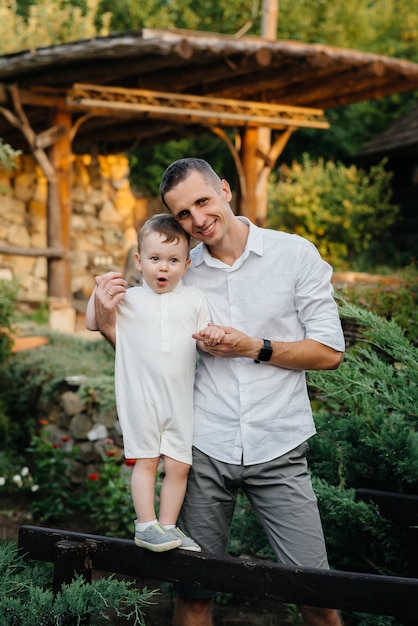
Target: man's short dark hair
(179,170)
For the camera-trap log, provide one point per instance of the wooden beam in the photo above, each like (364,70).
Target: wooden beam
(48,137)
(53,253)
(191,109)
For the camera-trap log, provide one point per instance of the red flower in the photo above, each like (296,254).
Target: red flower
(110,452)
(56,445)
(94,476)
(43,422)
(65,438)
(130,462)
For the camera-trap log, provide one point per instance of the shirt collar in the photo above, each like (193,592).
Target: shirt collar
(254,244)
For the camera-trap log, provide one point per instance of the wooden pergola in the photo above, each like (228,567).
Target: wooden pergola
(114,93)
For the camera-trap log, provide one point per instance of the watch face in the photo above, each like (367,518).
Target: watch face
(265,352)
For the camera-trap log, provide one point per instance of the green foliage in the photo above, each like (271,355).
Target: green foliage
(370,439)
(26,597)
(106,498)
(352,126)
(387,27)
(342,210)
(48,22)
(8,156)
(8,294)
(50,465)
(191,14)
(358,538)
(396,300)
(29,379)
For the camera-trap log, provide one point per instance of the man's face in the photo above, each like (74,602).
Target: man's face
(203,211)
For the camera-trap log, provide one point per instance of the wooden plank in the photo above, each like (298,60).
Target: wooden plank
(399,507)
(53,253)
(402,509)
(27,343)
(350,591)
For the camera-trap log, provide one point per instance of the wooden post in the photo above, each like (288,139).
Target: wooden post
(71,558)
(59,210)
(249,165)
(269,22)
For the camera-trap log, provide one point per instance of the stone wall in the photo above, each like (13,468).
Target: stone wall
(87,432)
(106,215)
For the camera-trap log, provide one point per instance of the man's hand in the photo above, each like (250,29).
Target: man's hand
(110,291)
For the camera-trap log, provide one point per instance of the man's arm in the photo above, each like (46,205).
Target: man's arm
(305,354)
(101,309)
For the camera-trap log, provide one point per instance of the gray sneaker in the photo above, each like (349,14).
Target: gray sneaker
(156,538)
(186,542)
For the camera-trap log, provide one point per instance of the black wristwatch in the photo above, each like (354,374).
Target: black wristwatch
(265,352)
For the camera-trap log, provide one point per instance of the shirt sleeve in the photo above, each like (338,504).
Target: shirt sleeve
(315,303)
(203,316)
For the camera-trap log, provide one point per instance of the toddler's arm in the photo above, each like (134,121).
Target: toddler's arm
(91,322)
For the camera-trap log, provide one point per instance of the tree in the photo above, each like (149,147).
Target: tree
(48,22)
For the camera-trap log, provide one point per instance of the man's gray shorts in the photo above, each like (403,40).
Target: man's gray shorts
(280,492)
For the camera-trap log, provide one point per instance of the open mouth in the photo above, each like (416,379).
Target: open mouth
(162,281)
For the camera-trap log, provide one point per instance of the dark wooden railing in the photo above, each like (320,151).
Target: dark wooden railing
(73,552)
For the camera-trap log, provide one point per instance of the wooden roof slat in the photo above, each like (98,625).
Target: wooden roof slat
(209,65)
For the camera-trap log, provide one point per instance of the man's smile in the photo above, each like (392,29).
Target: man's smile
(208,230)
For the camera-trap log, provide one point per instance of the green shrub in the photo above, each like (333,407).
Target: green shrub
(368,432)
(8,293)
(342,210)
(8,156)
(53,500)
(31,378)
(395,300)
(26,596)
(106,498)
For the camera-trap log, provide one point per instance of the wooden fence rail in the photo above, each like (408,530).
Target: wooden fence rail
(402,509)
(350,591)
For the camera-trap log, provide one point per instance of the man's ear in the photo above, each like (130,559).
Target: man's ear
(226,189)
(138,261)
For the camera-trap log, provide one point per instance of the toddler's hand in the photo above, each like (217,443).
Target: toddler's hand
(212,335)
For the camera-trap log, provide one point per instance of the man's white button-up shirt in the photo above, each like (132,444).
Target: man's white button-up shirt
(279,289)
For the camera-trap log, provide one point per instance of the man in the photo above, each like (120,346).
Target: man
(271,292)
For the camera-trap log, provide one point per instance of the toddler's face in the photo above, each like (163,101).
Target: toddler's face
(161,262)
